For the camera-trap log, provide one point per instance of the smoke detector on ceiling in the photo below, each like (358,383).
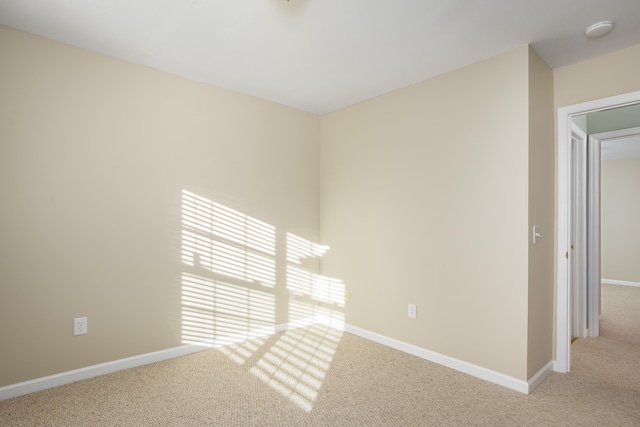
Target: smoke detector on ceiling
(599,29)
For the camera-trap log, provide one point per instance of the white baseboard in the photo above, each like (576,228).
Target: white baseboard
(620,282)
(525,387)
(62,378)
(539,376)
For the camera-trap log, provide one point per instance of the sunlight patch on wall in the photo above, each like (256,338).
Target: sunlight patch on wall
(226,241)
(317,298)
(230,260)
(203,215)
(218,313)
(230,272)
(302,313)
(299,249)
(319,288)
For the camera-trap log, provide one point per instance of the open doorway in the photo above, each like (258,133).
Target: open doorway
(620,205)
(565,222)
(606,172)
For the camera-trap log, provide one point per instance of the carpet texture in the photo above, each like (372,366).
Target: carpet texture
(318,376)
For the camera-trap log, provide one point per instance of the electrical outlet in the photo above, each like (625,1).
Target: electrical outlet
(292,293)
(347,296)
(79,326)
(412,311)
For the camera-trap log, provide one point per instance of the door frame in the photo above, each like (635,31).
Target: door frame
(563,289)
(593,238)
(578,208)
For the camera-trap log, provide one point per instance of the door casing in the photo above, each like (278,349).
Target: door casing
(563,186)
(577,254)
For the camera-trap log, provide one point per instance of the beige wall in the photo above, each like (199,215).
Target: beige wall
(620,219)
(541,205)
(424,200)
(605,76)
(94,156)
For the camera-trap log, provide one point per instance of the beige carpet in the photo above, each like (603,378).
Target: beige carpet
(322,377)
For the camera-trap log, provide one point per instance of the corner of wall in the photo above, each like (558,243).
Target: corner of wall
(541,214)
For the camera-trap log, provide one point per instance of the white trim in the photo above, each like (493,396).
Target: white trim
(617,134)
(593,238)
(563,298)
(563,336)
(322,319)
(628,136)
(620,282)
(578,218)
(450,362)
(540,376)
(62,378)
(301,323)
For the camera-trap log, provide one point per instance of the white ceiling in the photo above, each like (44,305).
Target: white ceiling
(324,55)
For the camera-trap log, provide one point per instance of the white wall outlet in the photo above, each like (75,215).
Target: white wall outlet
(292,293)
(412,311)
(79,326)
